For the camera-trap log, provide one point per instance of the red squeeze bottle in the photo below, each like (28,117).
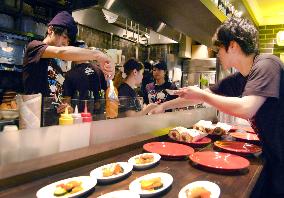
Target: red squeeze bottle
(86,116)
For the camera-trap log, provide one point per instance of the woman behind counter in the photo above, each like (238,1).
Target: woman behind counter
(157,90)
(127,80)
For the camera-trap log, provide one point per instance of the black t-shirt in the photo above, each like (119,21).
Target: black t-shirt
(157,93)
(147,78)
(128,99)
(266,79)
(84,78)
(41,75)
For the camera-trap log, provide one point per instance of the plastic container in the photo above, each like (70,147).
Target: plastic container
(65,118)
(86,116)
(77,118)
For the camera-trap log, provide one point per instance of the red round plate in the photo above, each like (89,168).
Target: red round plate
(245,136)
(219,160)
(243,128)
(238,147)
(201,142)
(168,149)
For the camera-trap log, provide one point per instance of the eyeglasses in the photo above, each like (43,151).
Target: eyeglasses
(216,49)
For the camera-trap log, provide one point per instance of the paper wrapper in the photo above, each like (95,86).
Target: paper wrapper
(192,135)
(204,126)
(30,111)
(221,128)
(175,134)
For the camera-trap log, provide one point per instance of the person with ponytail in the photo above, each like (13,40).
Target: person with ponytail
(127,80)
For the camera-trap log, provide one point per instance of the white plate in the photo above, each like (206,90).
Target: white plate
(171,91)
(87,183)
(157,158)
(210,186)
(135,185)
(98,172)
(120,194)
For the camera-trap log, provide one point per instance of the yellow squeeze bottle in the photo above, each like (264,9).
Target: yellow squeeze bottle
(65,118)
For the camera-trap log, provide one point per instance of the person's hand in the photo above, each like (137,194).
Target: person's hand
(149,107)
(157,109)
(108,70)
(193,93)
(107,65)
(61,108)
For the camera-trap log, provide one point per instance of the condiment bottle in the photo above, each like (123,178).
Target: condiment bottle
(86,116)
(77,118)
(111,101)
(65,118)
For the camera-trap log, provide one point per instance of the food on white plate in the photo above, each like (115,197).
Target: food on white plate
(198,192)
(204,126)
(113,169)
(144,159)
(70,187)
(151,184)
(171,91)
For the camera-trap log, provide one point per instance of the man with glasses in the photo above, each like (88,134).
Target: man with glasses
(255,93)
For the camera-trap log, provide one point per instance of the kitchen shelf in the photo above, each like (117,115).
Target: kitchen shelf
(10,67)
(26,34)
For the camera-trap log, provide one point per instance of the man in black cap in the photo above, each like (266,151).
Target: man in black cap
(42,73)
(156,91)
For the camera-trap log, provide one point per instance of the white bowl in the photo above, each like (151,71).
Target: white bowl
(132,161)
(9,114)
(135,185)
(87,183)
(98,172)
(210,186)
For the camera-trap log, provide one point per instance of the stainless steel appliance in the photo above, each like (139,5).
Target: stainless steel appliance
(201,72)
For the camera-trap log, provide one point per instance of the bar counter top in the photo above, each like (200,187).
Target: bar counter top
(237,184)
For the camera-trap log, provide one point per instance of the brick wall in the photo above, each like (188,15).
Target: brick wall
(267,39)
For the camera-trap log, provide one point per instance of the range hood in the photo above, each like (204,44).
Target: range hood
(171,18)
(188,17)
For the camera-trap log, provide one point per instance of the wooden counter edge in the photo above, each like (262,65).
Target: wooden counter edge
(18,173)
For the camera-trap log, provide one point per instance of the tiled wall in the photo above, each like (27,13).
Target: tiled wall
(267,39)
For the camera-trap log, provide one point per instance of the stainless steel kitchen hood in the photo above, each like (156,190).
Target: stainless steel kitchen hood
(172,18)
(189,17)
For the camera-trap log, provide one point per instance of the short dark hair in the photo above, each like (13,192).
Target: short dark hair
(132,64)
(239,30)
(59,30)
(162,65)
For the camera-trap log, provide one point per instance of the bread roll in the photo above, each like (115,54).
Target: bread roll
(175,133)
(192,135)
(204,126)
(221,128)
